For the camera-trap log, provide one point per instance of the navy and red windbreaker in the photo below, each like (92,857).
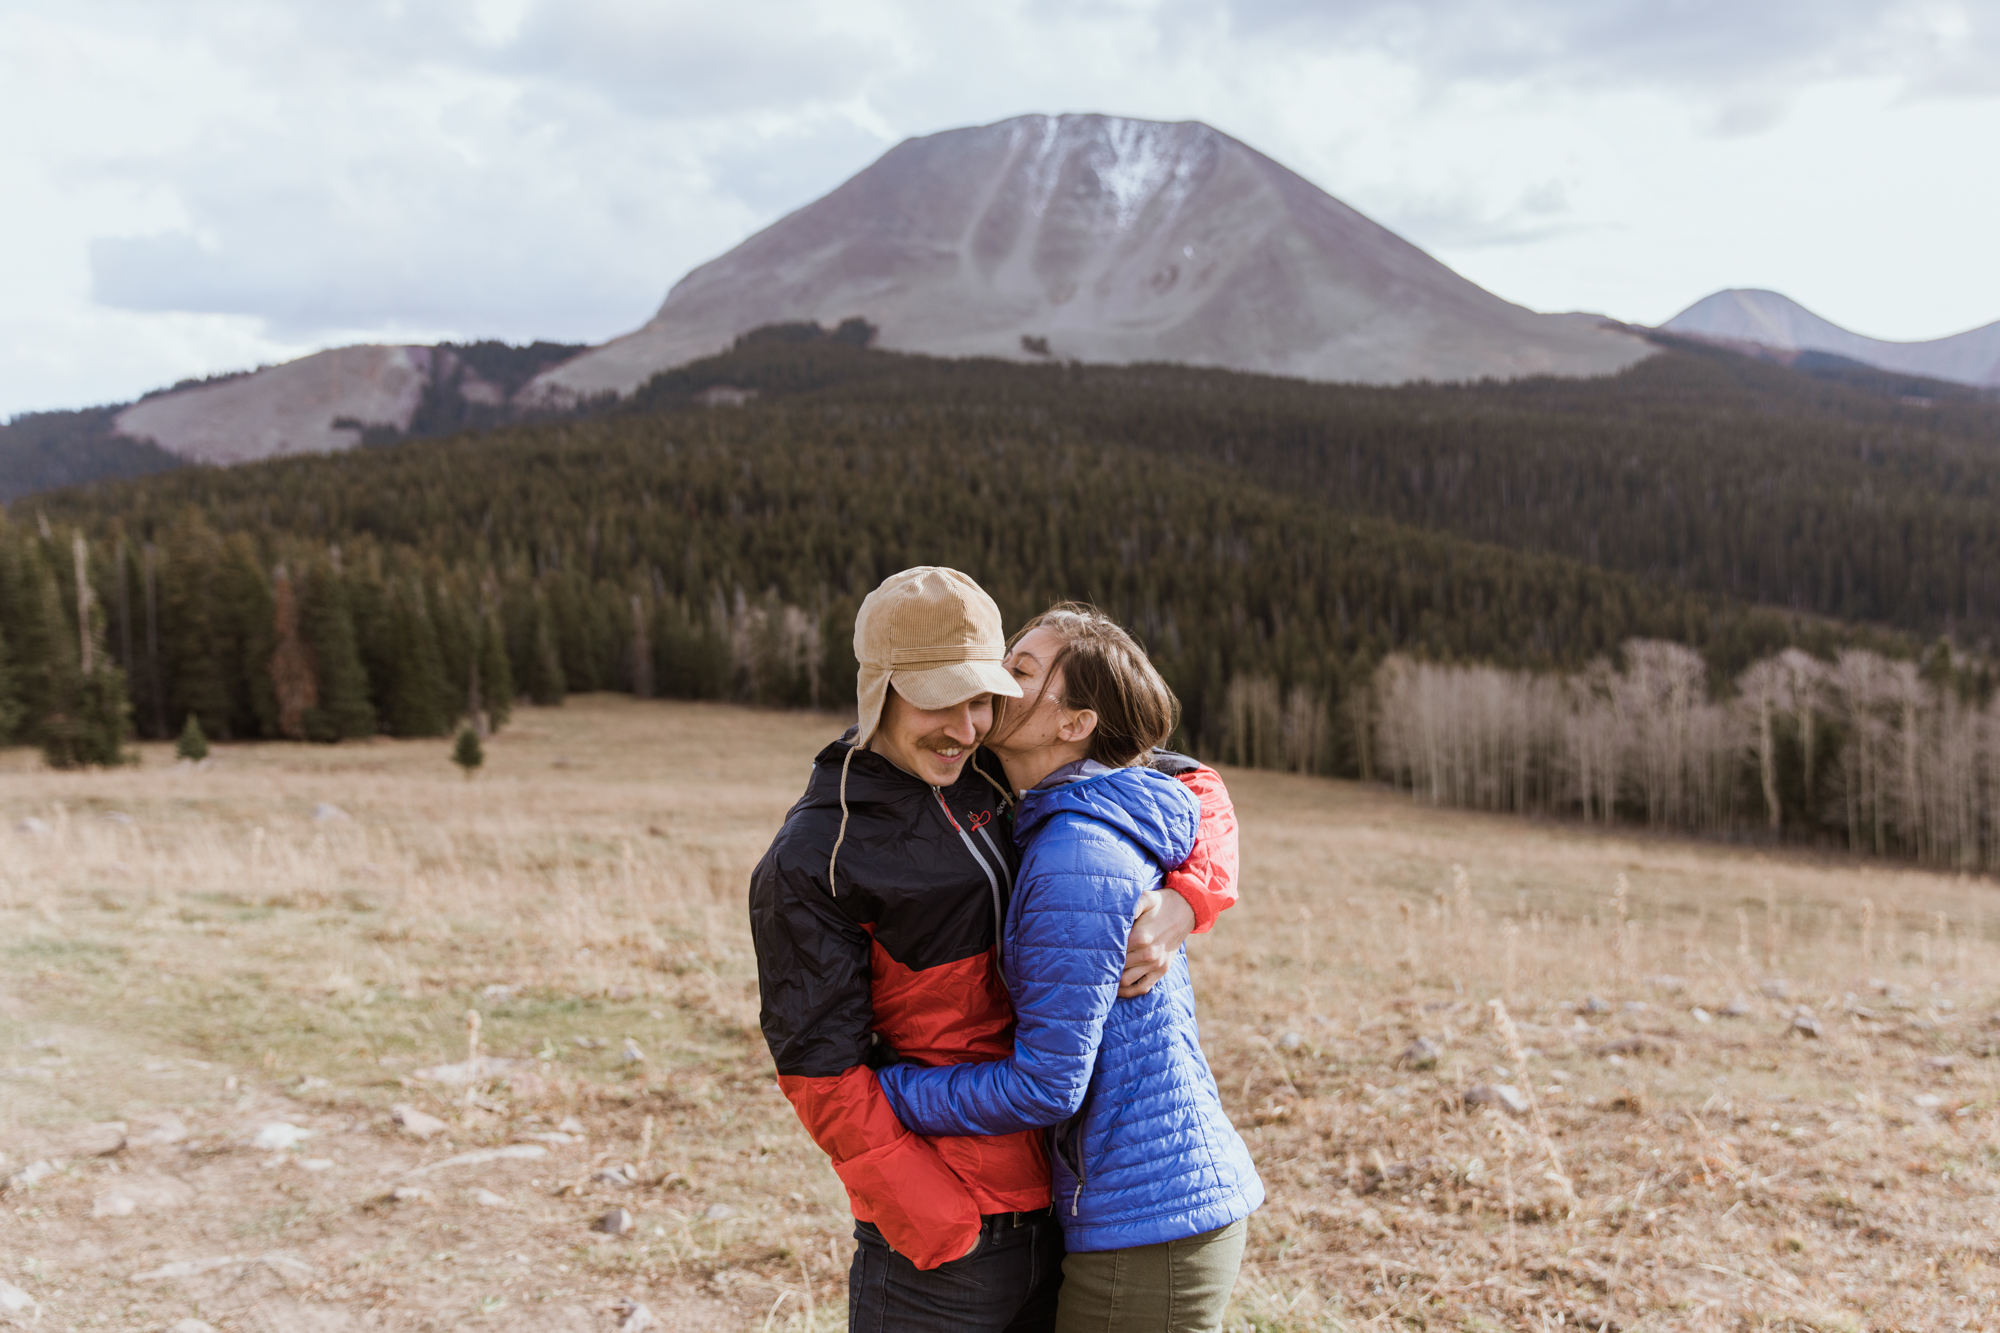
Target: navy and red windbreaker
(896,961)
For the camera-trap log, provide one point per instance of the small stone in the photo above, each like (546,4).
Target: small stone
(34,828)
(409,1194)
(326,812)
(1775,988)
(279,1136)
(1635,1006)
(589,1043)
(1504,1095)
(553,1137)
(417,1124)
(141,1193)
(617,1222)
(1420,1054)
(117,817)
(718,1212)
(1636,1044)
(159,1131)
(488,1199)
(191,1326)
(633,1055)
(1666,981)
(1291,1041)
(317,1163)
(34,1173)
(569,1124)
(621,1177)
(1701,1015)
(466,1072)
(1941,1064)
(113,1203)
(1737,1008)
(633,1316)
(1593,1005)
(13,1300)
(1805,1024)
(99,1140)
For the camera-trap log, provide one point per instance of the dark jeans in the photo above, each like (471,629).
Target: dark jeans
(1007,1284)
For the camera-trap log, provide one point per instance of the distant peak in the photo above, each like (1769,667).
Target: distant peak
(1772,319)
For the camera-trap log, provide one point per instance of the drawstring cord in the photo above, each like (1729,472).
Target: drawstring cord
(832,888)
(1005,795)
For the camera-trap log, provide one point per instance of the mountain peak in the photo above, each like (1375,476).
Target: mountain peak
(1774,320)
(1106,239)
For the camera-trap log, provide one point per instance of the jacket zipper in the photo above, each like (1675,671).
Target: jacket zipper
(1071,1147)
(992,881)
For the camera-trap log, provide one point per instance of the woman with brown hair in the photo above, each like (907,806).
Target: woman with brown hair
(1152,1183)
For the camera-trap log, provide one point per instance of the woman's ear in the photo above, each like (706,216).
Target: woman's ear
(1077,726)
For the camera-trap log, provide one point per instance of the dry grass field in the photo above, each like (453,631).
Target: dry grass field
(1753,1089)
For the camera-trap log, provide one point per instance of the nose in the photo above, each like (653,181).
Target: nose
(960,727)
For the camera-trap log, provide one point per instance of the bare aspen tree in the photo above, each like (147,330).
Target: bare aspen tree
(1805,681)
(86,640)
(1762,693)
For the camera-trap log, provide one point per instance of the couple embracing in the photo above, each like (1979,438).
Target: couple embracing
(968,939)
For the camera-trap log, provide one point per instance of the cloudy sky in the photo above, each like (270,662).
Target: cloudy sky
(202,185)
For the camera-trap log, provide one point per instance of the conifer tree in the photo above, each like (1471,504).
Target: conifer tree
(546,684)
(417,687)
(193,743)
(44,651)
(467,753)
(326,624)
(295,683)
(103,721)
(249,620)
(10,695)
(195,626)
(88,715)
(495,673)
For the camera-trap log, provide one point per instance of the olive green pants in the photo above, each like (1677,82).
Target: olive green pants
(1178,1287)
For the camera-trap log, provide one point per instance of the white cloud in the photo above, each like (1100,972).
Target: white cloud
(203,184)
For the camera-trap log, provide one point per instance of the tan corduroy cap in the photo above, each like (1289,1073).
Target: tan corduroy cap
(935,635)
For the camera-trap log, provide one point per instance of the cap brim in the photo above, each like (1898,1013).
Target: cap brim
(941,687)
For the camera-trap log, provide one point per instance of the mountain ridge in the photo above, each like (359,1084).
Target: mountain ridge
(1761,318)
(1106,240)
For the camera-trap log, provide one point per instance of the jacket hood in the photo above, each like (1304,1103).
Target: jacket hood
(1150,808)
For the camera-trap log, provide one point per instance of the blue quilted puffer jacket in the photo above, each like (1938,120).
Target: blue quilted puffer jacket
(1143,1153)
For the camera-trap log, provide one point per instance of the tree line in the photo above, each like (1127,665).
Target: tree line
(1889,757)
(665,547)
(673,549)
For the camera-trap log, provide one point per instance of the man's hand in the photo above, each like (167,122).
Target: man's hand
(1164,920)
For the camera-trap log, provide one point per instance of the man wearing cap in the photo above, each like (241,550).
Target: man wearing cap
(876,914)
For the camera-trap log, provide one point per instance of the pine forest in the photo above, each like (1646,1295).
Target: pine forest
(1711,593)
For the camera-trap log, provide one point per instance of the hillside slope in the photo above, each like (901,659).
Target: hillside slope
(1106,240)
(1770,319)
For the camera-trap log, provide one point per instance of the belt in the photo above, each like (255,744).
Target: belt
(998,1221)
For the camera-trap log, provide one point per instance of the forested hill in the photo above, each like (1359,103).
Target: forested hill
(1271,539)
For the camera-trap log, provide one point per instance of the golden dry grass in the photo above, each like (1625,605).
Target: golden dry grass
(216,954)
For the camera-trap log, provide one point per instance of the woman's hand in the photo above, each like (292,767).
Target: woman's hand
(1163,921)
